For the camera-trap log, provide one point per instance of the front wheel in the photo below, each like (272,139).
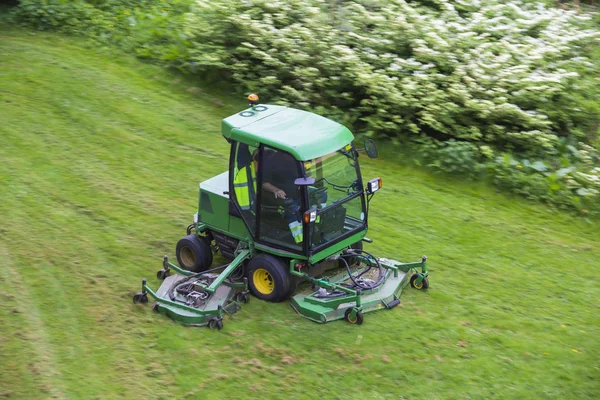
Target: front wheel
(358,317)
(269,278)
(162,274)
(355,261)
(242,297)
(215,323)
(140,297)
(419,286)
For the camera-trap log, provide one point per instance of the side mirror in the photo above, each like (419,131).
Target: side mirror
(370,148)
(305,181)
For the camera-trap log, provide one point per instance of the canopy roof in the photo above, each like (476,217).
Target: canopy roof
(303,134)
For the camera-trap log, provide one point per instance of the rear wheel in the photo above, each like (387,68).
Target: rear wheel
(194,253)
(268,278)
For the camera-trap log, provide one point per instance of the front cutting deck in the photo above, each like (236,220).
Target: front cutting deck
(334,300)
(323,310)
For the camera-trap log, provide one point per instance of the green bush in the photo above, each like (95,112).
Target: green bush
(147,28)
(560,181)
(463,82)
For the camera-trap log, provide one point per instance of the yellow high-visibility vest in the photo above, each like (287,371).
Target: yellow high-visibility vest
(296,229)
(244,193)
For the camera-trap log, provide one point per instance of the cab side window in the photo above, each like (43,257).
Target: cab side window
(280,219)
(244,182)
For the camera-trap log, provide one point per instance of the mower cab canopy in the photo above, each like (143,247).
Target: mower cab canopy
(302,134)
(294,179)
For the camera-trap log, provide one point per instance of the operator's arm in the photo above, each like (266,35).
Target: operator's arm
(278,193)
(271,166)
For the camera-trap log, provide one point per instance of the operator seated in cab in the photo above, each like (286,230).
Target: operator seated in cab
(279,188)
(280,197)
(280,172)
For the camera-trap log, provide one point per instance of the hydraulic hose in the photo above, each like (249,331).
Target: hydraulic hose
(370,260)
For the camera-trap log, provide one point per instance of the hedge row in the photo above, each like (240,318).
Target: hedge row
(503,89)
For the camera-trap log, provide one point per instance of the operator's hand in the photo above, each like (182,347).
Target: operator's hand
(280,194)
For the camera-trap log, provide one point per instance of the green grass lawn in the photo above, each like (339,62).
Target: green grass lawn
(100,158)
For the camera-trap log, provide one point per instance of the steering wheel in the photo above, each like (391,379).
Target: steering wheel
(318,195)
(286,201)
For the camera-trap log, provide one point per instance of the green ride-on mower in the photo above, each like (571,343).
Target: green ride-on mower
(292,206)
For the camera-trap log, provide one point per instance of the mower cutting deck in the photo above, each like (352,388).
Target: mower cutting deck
(348,296)
(198,299)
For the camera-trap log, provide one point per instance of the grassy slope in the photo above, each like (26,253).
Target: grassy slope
(100,159)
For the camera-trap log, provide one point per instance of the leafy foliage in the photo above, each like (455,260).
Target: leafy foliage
(147,28)
(468,81)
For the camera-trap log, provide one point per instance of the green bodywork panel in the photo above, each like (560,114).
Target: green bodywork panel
(213,208)
(335,248)
(303,134)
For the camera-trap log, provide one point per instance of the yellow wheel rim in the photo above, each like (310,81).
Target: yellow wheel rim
(263,281)
(418,285)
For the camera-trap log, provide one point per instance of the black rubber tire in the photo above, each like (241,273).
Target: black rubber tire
(424,283)
(359,317)
(242,297)
(212,323)
(279,272)
(162,274)
(194,253)
(140,298)
(215,323)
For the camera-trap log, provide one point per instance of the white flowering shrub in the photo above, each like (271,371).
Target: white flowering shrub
(496,76)
(490,71)
(471,87)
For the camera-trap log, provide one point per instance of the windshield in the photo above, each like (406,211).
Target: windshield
(336,195)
